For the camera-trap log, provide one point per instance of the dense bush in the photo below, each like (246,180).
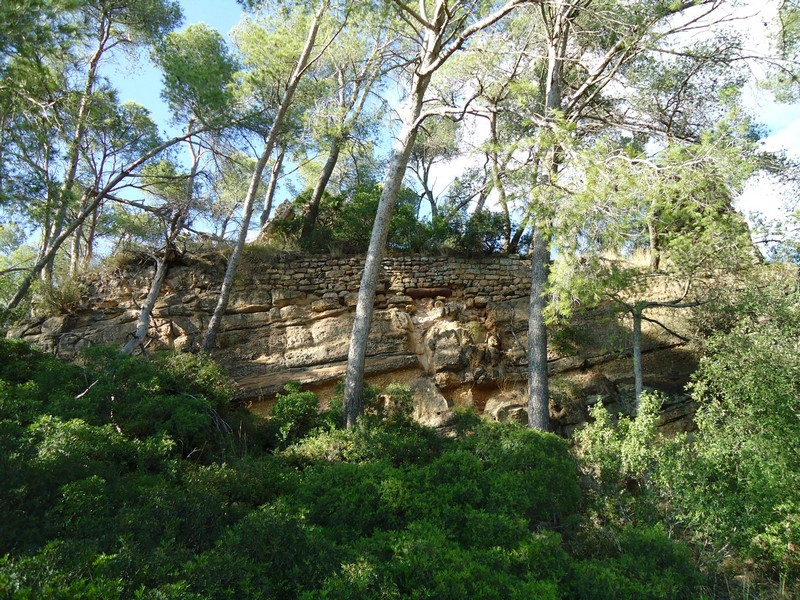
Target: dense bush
(344,225)
(294,413)
(101,498)
(732,490)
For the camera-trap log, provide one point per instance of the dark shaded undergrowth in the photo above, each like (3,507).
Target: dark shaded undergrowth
(126,478)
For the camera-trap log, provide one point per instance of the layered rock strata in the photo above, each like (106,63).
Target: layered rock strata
(453,329)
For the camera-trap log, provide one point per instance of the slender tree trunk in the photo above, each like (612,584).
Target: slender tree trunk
(75,252)
(479,205)
(162,264)
(356,358)
(538,386)
(227,282)
(223,228)
(88,253)
(432,202)
(538,392)
(353,397)
(636,312)
(655,253)
(354,107)
(275,174)
(146,311)
(78,250)
(310,220)
(501,192)
(432,57)
(513,245)
(73,154)
(429,190)
(497,183)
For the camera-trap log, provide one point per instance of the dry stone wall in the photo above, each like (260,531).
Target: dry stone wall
(453,329)
(494,279)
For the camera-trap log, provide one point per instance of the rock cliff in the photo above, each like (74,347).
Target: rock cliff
(453,329)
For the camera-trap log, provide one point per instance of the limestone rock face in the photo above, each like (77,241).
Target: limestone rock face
(453,329)
(446,347)
(430,406)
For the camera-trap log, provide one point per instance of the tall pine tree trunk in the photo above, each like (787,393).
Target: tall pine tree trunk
(538,392)
(146,310)
(353,398)
(431,57)
(356,358)
(637,354)
(310,220)
(227,282)
(88,253)
(74,148)
(75,252)
(162,263)
(538,386)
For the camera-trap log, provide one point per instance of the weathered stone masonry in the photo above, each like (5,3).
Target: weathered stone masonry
(496,278)
(453,329)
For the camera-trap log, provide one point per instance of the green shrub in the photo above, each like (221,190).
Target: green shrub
(362,579)
(63,298)
(404,443)
(197,374)
(98,503)
(427,564)
(533,474)
(644,563)
(182,396)
(268,554)
(345,499)
(294,413)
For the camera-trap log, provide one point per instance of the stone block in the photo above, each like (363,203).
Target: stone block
(481,301)
(400,299)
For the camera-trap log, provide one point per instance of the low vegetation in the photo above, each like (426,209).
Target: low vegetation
(127,478)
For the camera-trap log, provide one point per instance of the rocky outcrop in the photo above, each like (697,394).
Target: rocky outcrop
(453,329)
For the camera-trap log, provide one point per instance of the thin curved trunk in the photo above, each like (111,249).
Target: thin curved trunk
(432,202)
(513,245)
(655,252)
(432,56)
(310,221)
(233,261)
(146,311)
(162,264)
(497,183)
(356,358)
(88,253)
(275,174)
(429,190)
(353,396)
(538,391)
(227,282)
(363,86)
(75,252)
